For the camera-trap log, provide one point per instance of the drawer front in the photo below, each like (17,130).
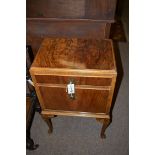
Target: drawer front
(86,99)
(94,81)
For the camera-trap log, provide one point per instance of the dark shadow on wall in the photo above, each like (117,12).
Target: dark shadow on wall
(120,74)
(122,9)
(119,33)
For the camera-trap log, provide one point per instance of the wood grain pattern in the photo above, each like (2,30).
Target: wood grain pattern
(72,72)
(81,54)
(90,63)
(109,102)
(49,113)
(96,81)
(75,54)
(73,9)
(51,75)
(68,18)
(38,29)
(100,9)
(86,100)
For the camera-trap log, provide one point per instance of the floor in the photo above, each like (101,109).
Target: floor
(81,136)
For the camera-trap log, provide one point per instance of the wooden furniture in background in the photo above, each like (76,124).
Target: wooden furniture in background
(32,104)
(30,111)
(68,18)
(89,64)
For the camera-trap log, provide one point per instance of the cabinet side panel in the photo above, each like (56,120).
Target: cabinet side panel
(109,103)
(37,91)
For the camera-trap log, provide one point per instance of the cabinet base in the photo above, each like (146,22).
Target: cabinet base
(102,118)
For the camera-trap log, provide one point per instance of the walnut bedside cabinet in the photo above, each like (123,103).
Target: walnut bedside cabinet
(75,77)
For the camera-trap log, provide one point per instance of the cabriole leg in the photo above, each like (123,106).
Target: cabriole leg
(106,122)
(49,123)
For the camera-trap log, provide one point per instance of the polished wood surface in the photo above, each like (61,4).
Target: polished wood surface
(72,72)
(78,52)
(38,29)
(68,18)
(106,123)
(89,63)
(96,81)
(71,9)
(74,113)
(75,54)
(93,92)
(86,100)
(49,123)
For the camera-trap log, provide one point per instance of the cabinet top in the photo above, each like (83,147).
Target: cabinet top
(76,54)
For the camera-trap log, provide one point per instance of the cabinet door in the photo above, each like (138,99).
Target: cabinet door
(86,99)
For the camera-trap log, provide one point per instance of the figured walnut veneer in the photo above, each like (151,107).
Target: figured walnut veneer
(97,81)
(68,18)
(89,63)
(75,54)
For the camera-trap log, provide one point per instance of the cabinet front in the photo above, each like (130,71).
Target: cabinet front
(86,99)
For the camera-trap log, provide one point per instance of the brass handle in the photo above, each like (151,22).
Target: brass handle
(70,89)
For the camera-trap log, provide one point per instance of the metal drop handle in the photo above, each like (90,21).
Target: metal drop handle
(70,89)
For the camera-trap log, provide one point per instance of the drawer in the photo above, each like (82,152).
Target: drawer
(86,99)
(94,81)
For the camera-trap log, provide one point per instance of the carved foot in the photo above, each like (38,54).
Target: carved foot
(106,122)
(30,145)
(49,124)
